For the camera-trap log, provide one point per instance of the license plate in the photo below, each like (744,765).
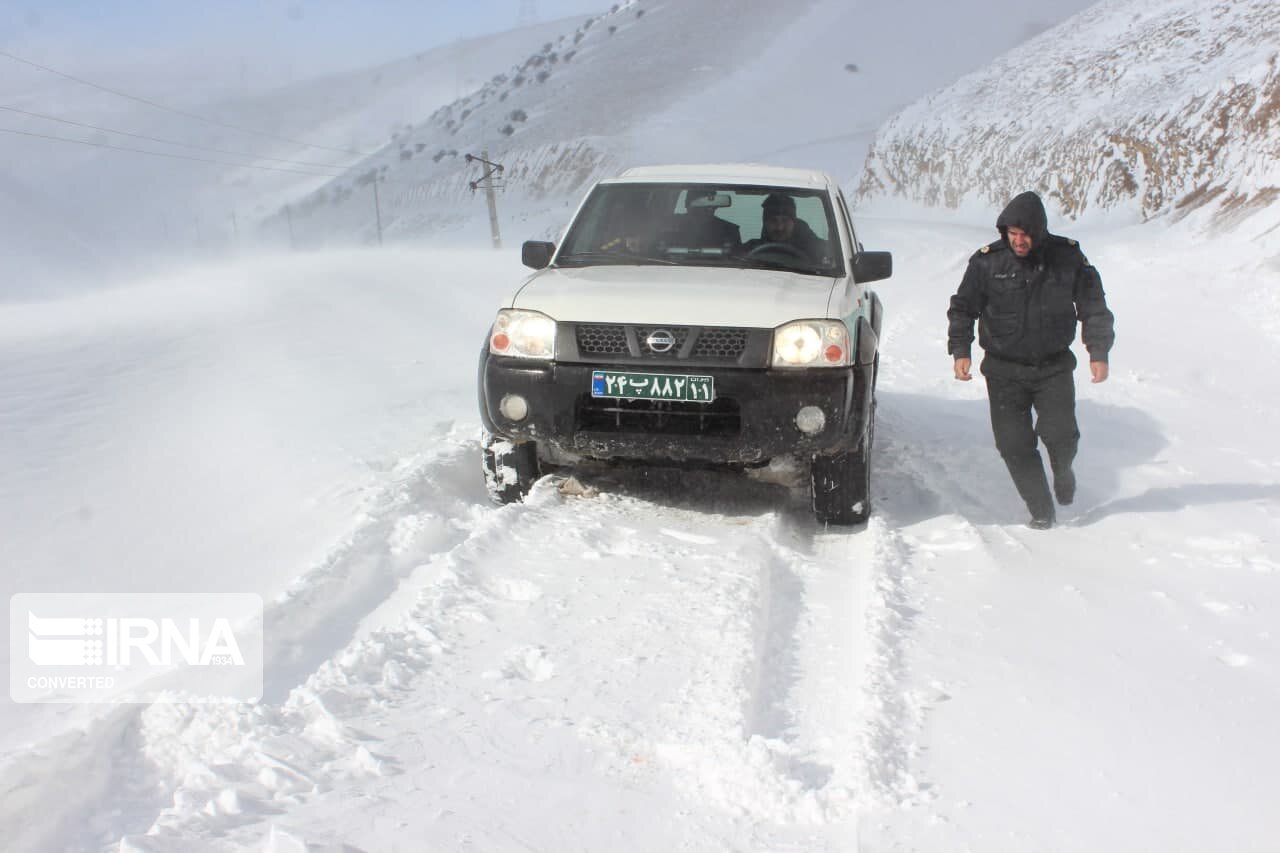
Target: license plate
(652,386)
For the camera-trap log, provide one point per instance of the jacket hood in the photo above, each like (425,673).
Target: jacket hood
(1026,211)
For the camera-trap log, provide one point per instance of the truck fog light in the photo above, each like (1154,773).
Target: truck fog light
(514,407)
(810,420)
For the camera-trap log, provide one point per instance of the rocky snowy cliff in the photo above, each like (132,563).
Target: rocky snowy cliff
(1142,108)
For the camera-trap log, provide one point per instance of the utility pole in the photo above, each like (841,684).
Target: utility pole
(288,214)
(235,230)
(490,169)
(377,209)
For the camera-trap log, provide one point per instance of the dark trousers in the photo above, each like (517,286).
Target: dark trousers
(1013,393)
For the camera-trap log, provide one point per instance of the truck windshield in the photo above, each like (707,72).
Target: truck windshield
(706,225)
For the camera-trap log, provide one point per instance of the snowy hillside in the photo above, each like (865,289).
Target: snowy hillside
(555,120)
(802,83)
(70,209)
(1133,108)
(363,110)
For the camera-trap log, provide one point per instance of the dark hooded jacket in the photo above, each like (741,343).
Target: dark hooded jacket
(1027,308)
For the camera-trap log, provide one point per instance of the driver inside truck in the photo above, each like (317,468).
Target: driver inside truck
(781,226)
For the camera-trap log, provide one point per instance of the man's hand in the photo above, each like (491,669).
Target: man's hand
(963,364)
(1099,371)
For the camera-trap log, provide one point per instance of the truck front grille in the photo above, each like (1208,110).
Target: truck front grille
(624,342)
(727,344)
(602,340)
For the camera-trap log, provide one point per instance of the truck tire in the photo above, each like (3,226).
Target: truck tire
(841,483)
(510,469)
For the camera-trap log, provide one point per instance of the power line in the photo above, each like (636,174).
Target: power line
(171,142)
(166,154)
(183,113)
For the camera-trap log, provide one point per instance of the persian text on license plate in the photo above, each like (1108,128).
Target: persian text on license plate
(652,386)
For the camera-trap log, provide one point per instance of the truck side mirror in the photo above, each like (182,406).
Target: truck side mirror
(872,266)
(537,254)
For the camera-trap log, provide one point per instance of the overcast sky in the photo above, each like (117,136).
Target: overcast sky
(296,38)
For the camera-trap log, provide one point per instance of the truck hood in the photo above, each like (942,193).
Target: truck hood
(688,296)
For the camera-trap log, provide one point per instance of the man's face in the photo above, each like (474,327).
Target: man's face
(1019,241)
(779,227)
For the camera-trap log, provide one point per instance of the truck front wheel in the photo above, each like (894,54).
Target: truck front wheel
(841,483)
(510,469)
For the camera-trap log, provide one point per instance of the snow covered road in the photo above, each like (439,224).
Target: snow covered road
(668,661)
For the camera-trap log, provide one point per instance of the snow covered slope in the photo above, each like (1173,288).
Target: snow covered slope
(66,208)
(801,83)
(1131,109)
(555,120)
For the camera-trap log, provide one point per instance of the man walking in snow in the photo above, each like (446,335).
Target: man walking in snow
(1026,290)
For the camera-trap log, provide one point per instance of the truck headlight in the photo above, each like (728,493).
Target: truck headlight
(523,334)
(811,343)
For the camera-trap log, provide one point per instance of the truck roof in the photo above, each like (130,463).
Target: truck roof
(737,173)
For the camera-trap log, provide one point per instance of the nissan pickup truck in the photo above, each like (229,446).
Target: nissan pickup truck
(712,315)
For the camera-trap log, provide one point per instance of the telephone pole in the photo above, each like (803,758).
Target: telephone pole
(486,179)
(377,209)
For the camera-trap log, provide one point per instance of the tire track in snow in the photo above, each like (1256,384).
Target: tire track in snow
(890,713)
(456,621)
(732,735)
(709,617)
(801,718)
(767,722)
(234,763)
(255,761)
(431,506)
(772,655)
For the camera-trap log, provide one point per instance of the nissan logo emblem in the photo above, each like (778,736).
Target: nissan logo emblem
(660,340)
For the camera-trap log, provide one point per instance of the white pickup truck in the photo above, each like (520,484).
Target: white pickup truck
(692,315)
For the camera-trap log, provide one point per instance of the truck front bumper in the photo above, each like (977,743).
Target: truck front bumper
(751,420)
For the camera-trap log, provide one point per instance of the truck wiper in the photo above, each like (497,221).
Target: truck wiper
(614,257)
(758,263)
